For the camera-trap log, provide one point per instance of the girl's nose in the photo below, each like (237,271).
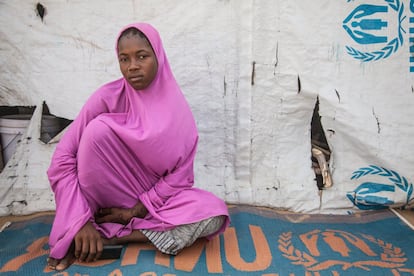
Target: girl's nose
(134,64)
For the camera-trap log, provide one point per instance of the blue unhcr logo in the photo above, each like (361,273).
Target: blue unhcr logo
(373,25)
(371,195)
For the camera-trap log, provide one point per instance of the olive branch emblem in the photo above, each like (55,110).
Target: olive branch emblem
(390,253)
(399,181)
(391,46)
(392,257)
(289,251)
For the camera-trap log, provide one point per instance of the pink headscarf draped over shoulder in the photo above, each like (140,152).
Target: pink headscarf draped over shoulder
(127,146)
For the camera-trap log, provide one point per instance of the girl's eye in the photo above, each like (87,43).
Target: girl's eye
(122,59)
(141,57)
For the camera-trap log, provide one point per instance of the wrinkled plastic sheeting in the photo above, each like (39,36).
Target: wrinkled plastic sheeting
(363,104)
(24,186)
(251,71)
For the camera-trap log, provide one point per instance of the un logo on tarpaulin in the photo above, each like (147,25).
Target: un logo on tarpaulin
(376,26)
(373,195)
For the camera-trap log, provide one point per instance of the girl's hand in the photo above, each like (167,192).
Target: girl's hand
(88,244)
(115,215)
(121,215)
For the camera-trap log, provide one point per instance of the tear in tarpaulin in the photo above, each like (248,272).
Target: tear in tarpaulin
(321,153)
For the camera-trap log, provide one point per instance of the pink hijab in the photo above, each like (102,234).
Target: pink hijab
(124,146)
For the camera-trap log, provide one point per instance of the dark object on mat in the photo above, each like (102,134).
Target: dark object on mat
(111,252)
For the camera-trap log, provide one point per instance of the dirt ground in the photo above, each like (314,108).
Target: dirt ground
(406,215)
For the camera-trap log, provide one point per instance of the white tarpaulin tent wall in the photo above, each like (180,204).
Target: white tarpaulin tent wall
(252,72)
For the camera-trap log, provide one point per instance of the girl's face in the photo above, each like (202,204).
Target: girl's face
(137,61)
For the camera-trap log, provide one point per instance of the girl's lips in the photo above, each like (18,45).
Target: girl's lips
(136,78)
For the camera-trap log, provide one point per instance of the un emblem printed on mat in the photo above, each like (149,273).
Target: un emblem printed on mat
(259,241)
(377,26)
(363,252)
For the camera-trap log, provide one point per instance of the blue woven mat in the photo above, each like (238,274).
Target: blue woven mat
(258,242)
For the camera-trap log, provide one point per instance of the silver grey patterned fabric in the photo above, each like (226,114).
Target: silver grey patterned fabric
(174,240)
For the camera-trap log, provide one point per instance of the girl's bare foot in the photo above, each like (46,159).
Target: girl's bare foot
(135,237)
(64,263)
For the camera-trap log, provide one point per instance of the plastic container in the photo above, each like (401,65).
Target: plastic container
(12,128)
